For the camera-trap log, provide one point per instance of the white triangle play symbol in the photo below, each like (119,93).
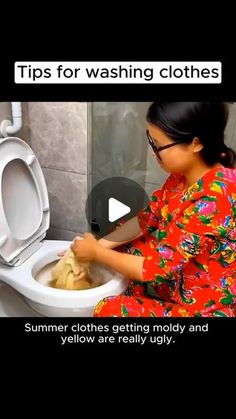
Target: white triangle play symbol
(116,209)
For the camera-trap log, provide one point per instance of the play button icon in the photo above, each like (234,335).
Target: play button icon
(117,210)
(112,201)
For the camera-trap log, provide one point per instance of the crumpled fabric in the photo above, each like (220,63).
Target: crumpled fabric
(69,274)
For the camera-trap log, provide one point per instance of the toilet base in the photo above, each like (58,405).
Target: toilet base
(49,311)
(13,304)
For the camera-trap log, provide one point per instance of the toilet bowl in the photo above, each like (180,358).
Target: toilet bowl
(26,258)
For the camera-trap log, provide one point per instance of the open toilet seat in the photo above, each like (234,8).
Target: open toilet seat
(24,220)
(24,213)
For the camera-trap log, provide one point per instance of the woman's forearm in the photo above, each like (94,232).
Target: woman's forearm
(128,265)
(129,231)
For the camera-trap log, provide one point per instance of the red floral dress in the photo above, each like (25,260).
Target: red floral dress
(190,266)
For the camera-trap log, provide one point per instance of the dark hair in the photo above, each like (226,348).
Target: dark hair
(186,120)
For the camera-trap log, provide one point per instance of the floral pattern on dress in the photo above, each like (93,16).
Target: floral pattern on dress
(190,266)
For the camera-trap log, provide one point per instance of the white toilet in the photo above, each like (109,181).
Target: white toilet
(25,258)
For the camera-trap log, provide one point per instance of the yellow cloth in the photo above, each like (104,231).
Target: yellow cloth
(69,274)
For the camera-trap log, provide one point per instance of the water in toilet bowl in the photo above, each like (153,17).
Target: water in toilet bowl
(98,275)
(44,275)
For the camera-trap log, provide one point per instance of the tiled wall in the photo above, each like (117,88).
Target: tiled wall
(119,146)
(58,134)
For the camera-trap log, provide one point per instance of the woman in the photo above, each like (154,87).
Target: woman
(190,268)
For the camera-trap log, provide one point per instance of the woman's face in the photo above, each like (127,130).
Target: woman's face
(175,159)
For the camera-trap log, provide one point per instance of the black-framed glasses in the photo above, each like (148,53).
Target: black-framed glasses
(158,149)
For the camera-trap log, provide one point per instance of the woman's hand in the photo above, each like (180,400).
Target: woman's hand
(62,253)
(85,250)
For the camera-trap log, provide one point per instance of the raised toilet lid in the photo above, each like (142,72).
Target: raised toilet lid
(24,206)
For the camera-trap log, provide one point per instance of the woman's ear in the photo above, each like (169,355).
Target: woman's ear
(197,145)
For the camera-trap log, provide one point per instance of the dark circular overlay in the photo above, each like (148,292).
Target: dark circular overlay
(108,199)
